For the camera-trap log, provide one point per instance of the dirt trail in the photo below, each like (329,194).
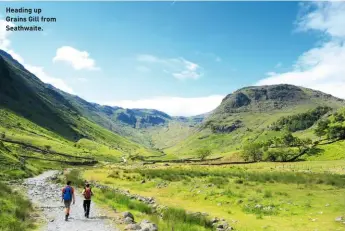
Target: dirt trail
(47,196)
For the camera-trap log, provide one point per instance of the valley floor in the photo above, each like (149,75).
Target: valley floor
(263,196)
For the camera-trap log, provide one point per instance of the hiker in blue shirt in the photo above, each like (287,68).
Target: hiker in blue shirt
(67,197)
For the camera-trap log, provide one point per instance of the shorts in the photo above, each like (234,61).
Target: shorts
(67,204)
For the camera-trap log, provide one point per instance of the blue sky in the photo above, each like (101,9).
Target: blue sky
(180,57)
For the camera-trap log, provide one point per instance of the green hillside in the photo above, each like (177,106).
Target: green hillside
(37,120)
(252,114)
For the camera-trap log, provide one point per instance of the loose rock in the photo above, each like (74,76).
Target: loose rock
(148,226)
(128,214)
(128,220)
(339,219)
(133,227)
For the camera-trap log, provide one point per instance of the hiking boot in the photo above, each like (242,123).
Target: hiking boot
(66,217)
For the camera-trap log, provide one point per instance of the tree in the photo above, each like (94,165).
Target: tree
(288,139)
(253,152)
(272,154)
(321,128)
(336,131)
(303,144)
(203,153)
(276,141)
(338,117)
(286,154)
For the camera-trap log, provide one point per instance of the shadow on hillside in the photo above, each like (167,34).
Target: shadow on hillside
(25,95)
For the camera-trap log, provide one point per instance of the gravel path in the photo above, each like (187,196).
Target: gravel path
(47,196)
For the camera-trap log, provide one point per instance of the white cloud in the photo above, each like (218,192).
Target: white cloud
(58,83)
(78,59)
(190,70)
(322,67)
(179,68)
(175,106)
(38,71)
(327,17)
(4,41)
(15,55)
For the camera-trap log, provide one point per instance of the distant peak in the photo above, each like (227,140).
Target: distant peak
(269,97)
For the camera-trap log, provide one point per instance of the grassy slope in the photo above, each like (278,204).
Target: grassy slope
(15,211)
(233,192)
(103,145)
(167,136)
(35,113)
(222,144)
(255,118)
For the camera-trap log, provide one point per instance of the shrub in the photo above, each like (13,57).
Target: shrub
(47,147)
(239,181)
(279,154)
(252,152)
(300,121)
(75,178)
(203,153)
(267,194)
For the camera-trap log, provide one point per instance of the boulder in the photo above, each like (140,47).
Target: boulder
(128,220)
(148,226)
(128,214)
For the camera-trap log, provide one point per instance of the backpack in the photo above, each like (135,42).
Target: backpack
(67,193)
(87,193)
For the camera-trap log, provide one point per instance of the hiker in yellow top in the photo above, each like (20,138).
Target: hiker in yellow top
(87,193)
